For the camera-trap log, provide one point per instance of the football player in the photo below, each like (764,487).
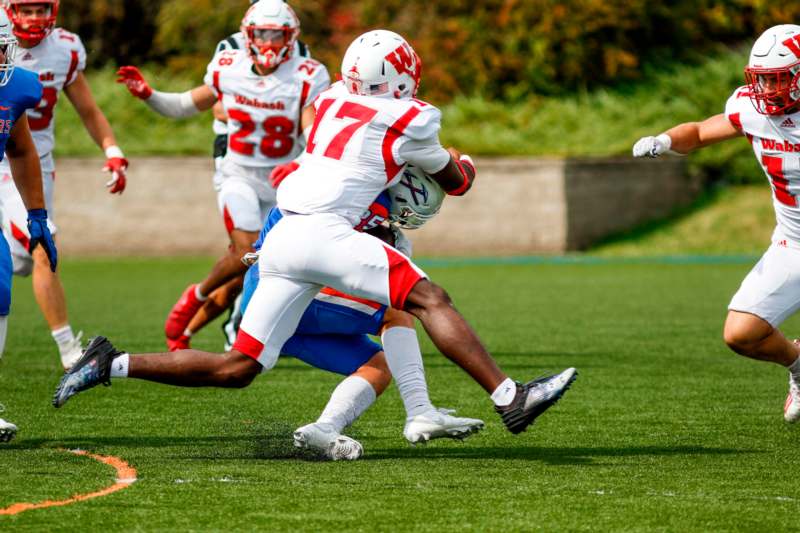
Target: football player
(333,336)
(58,58)
(266,90)
(765,112)
(366,130)
(223,297)
(19,90)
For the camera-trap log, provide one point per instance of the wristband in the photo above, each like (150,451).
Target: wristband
(462,164)
(37,214)
(114,151)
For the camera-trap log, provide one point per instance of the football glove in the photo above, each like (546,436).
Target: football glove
(652,146)
(135,82)
(280,172)
(117,165)
(40,235)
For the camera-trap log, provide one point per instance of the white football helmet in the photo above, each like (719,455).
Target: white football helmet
(381,63)
(270,29)
(416,199)
(773,72)
(8,47)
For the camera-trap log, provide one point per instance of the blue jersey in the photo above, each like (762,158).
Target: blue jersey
(23,91)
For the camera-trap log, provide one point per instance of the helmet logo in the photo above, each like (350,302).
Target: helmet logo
(416,192)
(402,59)
(793,44)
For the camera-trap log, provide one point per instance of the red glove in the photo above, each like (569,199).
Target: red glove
(135,82)
(117,165)
(280,172)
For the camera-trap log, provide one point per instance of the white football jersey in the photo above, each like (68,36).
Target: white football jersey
(354,151)
(57,60)
(776,143)
(264,111)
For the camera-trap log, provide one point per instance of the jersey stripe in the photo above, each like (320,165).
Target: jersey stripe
(216,85)
(392,134)
(73,66)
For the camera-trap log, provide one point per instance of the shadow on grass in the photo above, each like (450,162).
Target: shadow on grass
(581,455)
(279,447)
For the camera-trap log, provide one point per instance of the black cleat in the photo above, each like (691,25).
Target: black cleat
(534,398)
(92,369)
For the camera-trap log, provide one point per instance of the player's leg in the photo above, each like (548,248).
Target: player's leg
(272,316)
(241,211)
(217,302)
(7,430)
(769,294)
(362,361)
(424,422)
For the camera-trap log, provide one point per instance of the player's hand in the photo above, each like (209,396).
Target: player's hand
(134,81)
(117,165)
(652,146)
(40,235)
(280,172)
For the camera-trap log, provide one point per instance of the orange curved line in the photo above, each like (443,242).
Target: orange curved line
(126,476)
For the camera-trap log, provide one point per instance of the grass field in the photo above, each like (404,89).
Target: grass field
(665,430)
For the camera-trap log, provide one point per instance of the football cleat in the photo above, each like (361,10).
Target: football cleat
(181,343)
(182,313)
(439,424)
(325,440)
(534,398)
(92,369)
(71,353)
(791,409)
(7,431)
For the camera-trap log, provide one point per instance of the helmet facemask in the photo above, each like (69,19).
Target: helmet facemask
(33,27)
(269,46)
(8,49)
(774,91)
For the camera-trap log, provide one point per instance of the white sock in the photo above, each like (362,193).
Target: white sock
(504,393)
(349,400)
(63,337)
(198,294)
(119,366)
(404,358)
(3,330)
(794,368)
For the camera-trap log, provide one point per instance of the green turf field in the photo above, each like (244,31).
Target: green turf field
(665,430)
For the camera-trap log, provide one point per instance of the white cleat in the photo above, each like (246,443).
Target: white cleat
(439,424)
(791,409)
(7,431)
(324,439)
(70,354)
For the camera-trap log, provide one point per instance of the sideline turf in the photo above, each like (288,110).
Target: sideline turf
(664,430)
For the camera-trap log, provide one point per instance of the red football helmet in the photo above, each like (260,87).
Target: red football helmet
(32,29)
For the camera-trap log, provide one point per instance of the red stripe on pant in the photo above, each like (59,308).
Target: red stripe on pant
(402,277)
(250,346)
(228,219)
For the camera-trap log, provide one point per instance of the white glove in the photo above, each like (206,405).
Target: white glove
(652,146)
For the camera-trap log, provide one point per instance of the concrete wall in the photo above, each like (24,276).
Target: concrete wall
(518,206)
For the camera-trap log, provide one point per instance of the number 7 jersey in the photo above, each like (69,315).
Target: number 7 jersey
(264,111)
(776,144)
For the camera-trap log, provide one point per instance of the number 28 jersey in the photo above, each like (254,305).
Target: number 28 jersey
(57,60)
(776,144)
(355,151)
(264,111)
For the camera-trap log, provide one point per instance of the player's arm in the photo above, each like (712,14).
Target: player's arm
(453,171)
(219,113)
(687,137)
(172,105)
(27,173)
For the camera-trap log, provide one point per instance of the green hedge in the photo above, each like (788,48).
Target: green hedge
(504,49)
